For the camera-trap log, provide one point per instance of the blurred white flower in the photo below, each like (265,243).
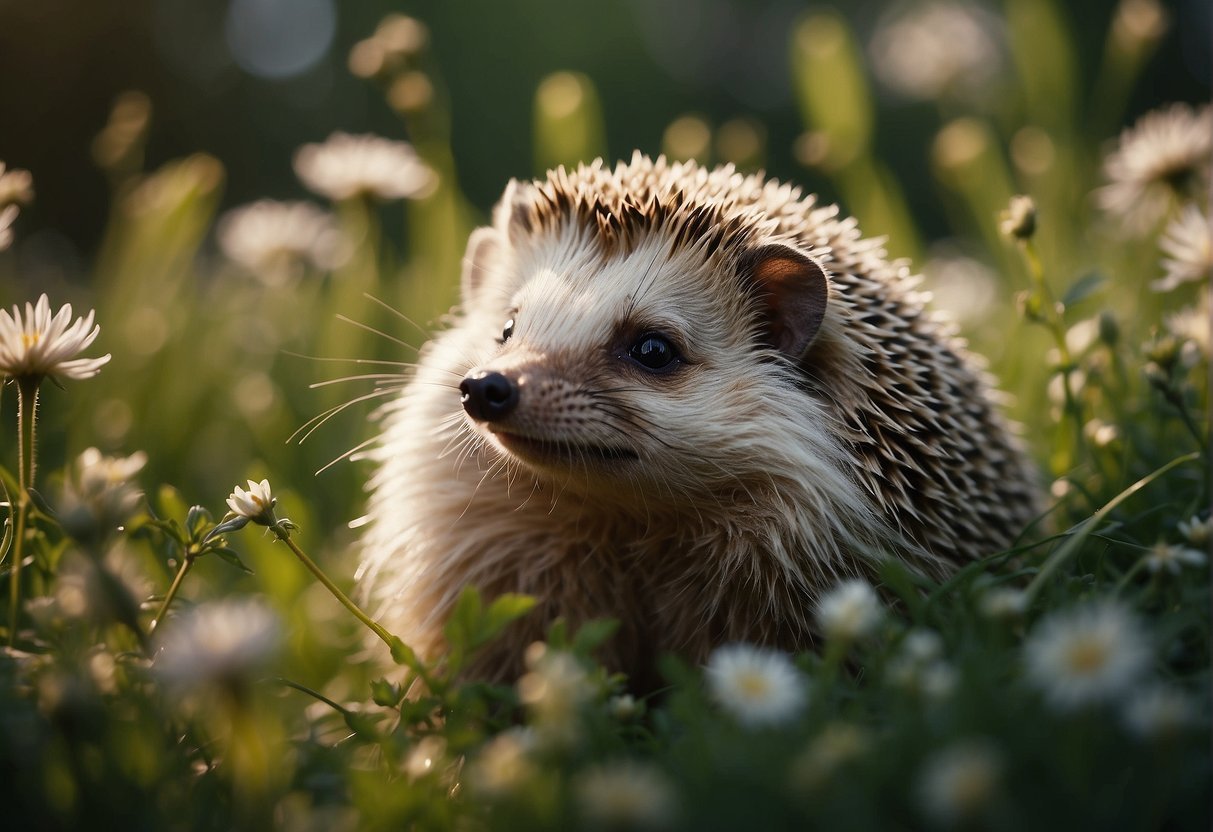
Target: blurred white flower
(840,743)
(1158,711)
(624,707)
(503,764)
(347,166)
(1088,654)
(926,51)
(556,685)
(1188,242)
(100,494)
(1161,159)
(1192,326)
(1165,556)
(757,686)
(38,344)
(966,288)
(274,239)
(426,756)
(219,642)
(849,611)
(1003,602)
(625,795)
(1018,219)
(919,667)
(960,782)
(257,504)
(1196,531)
(7,217)
(16,187)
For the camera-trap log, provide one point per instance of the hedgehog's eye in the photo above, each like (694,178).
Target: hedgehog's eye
(506,331)
(653,351)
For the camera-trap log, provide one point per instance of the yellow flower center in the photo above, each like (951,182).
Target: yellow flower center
(754,685)
(1087,656)
(28,339)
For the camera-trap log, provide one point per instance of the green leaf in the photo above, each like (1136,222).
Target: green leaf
(386,693)
(464,623)
(1082,288)
(593,634)
(231,557)
(504,609)
(405,655)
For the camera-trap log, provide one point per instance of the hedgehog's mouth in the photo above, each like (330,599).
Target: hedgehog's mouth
(558,450)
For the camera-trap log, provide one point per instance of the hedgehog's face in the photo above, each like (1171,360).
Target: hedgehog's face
(644,367)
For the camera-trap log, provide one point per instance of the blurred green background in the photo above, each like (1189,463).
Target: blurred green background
(248,81)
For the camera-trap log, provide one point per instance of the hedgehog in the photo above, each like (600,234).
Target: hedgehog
(688,400)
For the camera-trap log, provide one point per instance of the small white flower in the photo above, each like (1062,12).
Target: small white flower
(554,691)
(920,668)
(757,686)
(839,744)
(1192,326)
(1003,602)
(220,642)
(1196,531)
(1088,654)
(1164,556)
(1188,244)
(257,504)
(273,239)
(100,495)
(849,611)
(624,707)
(625,795)
(503,764)
(1158,711)
(346,166)
(39,344)
(960,782)
(1161,159)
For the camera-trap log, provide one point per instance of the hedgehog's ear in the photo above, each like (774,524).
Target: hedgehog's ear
(479,261)
(793,290)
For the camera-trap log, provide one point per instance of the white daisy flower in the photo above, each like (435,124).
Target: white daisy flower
(556,686)
(625,795)
(1196,531)
(1158,711)
(1188,244)
(757,686)
(256,504)
(503,764)
(1165,556)
(274,239)
(959,783)
(1088,654)
(346,166)
(100,495)
(849,611)
(220,642)
(1192,326)
(1162,158)
(39,344)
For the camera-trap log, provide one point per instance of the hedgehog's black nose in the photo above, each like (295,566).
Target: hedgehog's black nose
(488,396)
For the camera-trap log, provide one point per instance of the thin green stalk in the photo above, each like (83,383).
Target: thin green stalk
(285,536)
(1084,530)
(1052,321)
(186,562)
(27,416)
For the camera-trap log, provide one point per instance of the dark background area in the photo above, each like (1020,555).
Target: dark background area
(62,62)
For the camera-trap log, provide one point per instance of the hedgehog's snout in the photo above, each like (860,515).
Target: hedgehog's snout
(487,395)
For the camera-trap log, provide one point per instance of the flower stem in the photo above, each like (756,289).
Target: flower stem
(186,562)
(285,536)
(27,415)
